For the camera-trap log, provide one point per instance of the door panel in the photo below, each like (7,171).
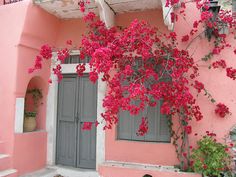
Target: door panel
(87,113)
(87,149)
(67,128)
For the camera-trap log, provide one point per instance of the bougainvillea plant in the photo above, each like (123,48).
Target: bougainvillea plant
(142,63)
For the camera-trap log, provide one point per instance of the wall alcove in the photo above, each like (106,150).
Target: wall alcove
(35,103)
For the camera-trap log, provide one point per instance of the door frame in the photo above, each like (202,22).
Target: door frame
(51,113)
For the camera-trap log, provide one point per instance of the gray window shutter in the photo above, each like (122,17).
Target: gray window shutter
(163,128)
(153,123)
(125,125)
(136,121)
(158,129)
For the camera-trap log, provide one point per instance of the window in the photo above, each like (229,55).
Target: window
(158,129)
(75,58)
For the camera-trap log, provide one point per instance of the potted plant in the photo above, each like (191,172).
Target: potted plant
(35,95)
(211,158)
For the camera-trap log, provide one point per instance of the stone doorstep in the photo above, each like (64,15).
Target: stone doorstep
(51,171)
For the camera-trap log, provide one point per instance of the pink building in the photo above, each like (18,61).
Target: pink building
(58,146)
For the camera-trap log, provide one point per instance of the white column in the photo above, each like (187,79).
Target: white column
(100,150)
(51,116)
(166,15)
(19,114)
(51,121)
(105,13)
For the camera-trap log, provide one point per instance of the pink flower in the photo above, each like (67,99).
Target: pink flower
(195,24)
(221,110)
(80,68)
(30,70)
(165,108)
(93,76)
(143,127)
(46,51)
(231,73)
(218,64)
(174,17)
(89,17)
(216,50)
(188,129)
(185,38)
(198,86)
(87,125)
(69,42)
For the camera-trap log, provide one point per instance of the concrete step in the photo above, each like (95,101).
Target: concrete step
(75,172)
(8,173)
(46,172)
(5,162)
(52,171)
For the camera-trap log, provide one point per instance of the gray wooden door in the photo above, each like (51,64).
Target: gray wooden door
(77,104)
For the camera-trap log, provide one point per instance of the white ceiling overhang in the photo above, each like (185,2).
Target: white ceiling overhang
(67,9)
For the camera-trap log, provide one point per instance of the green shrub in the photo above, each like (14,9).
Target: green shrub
(211,158)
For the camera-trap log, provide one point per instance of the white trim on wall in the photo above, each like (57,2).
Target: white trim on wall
(51,116)
(19,114)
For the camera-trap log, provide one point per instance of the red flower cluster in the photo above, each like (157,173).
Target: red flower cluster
(93,76)
(80,68)
(63,54)
(46,52)
(222,110)
(171,2)
(218,64)
(87,125)
(206,15)
(198,86)
(185,38)
(188,129)
(57,72)
(231,73)
(143,127)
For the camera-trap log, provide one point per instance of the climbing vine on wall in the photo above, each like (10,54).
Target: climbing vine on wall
(141,63)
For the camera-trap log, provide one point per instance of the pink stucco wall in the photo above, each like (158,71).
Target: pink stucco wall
(31,151)
(39,28)
(24,28)
(31,27)
(9,18)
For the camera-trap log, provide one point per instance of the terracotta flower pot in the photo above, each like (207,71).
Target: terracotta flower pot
(29,124)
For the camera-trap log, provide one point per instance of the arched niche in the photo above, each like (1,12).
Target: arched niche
(37,83)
